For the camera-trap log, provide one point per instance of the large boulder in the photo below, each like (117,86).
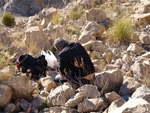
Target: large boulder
(5,95)
(142,92)
(22,87)
(96,14)
(134,106)
(89,91)
(91,29)
(60,109)
(88,105)
(36,38)
(109,80)
(48,83)
(60,95)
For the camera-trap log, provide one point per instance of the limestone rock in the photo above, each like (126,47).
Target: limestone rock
(89,91)
(44,93)
(112,96)
(129,87)
(22,87)
(5,95)
(143,7)
(60,95)
(105,80)
(36,38)
(134,106)
(60,109)
(96,14)
(48,83)
(47,13)
(115,104)
(144,38)
(6,73)
(98,46)
(127,59)
(139,70)
(75,99)
(135,49)
(142,92)
(91,29)
(44,22)
(88,45)
(111,67)
(88,105)
(142,19)
(125,67)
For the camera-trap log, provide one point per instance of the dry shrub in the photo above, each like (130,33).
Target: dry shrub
(121,31)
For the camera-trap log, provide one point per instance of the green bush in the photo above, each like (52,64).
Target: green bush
(120,31)
(76,13)
(8,19)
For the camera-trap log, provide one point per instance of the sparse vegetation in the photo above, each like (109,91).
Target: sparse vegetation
(108,57)
(4,59)
(55,18)
(8,19)
(71,30)
(120,31)
(95,55)
(76,13)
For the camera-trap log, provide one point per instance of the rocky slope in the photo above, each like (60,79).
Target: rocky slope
(122,77)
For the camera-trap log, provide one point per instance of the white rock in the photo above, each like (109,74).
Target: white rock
(48,83)
(60,95)
(134,106)
(75,99)
(91,29)
(96,14)
(144,38)
(142,92)
(116,104)
(89,91)
(88,105)
(135,49)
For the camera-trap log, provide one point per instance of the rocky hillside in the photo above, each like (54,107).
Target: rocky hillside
(115,33)
(30,7)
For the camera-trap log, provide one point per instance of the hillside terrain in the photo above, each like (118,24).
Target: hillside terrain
(116,35)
